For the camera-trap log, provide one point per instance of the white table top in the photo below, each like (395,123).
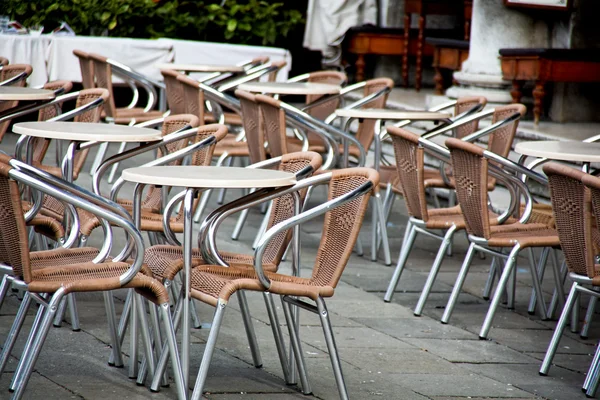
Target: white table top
(84,132)
(561,150)
(290,88)
(388,114)
(209,177)
(25,93)
(200,67)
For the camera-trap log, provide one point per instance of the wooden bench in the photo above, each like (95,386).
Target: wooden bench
(369,39)
(547,65)
(447,54)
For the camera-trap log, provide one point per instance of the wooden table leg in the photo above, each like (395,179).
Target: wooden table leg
(538,101)
(439,81)
(516,91)
(360,68)
(420,45)
(405,50)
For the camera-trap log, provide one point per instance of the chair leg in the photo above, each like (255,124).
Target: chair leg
(252,342)
(60,313)
(209,350)
(541,266)
(123,323)
(489,284)
(161,365)
(111,316)
(563,270)
(99,157)
(435,268)
(133,338)
(296,347)
(28,360)
(145,333)
(560,328)
(278,336)
(4,286)
(239,225)
(172,346)
(72,305)
(404,253)
(460,280)
(591,378)
(382,230)
(13,334)
(332,348)
(506,274)
(575,315)
(537,286)
(263,227)
(589,315)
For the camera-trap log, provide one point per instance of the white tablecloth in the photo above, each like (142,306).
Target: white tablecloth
(52,56)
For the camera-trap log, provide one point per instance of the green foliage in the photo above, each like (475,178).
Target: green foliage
(238,21)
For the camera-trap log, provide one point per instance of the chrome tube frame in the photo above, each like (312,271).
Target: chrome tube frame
(22,76)
(321,209)
(148,84)
(80,201)
(252,74)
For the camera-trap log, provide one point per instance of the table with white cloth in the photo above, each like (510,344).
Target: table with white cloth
(51,56)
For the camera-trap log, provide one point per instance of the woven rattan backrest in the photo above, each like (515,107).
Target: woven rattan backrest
(410,166)
(252,123)
(14,246)
(366,128)
(103,77)
(41,145)
(591,224)
(192,96)
(8,72)
(501,139)
(568,196)
(273,122)
(272,76)
(171,124)
(283,207)
(470,169)
(87,69)
(324,110)
(464,104)
(3,61)
(204,156)
(92,116)
(342,224)
(174,89)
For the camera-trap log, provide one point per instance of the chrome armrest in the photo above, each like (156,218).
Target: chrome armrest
(220,97)
(78,111)
(487,130)
(148,84)
(88,201)
(16,78)
(468,116)
(252,74)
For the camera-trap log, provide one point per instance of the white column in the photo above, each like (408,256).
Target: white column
(493,27)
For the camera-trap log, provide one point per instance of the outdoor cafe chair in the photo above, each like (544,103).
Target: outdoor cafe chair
(471,167)
(410,163)
(12,75)
(60,279)
(575,199)
(86,68)
(166,261)
(349,191)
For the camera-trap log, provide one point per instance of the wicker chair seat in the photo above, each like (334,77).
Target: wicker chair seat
(89,277)
(166,261)
(213,282)
(61,256)
(526,235)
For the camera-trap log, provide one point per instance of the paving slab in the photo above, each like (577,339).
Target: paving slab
(574,362)
(537,340)
(459,385)
(474,351)
(414,327)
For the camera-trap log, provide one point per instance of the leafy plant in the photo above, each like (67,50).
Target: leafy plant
(239,21)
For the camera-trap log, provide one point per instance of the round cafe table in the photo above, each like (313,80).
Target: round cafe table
(200,67)
(298,88)
(194,178)
(79,132)
(568,150)
(25,94)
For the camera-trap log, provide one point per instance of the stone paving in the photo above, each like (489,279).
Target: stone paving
(386,352)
